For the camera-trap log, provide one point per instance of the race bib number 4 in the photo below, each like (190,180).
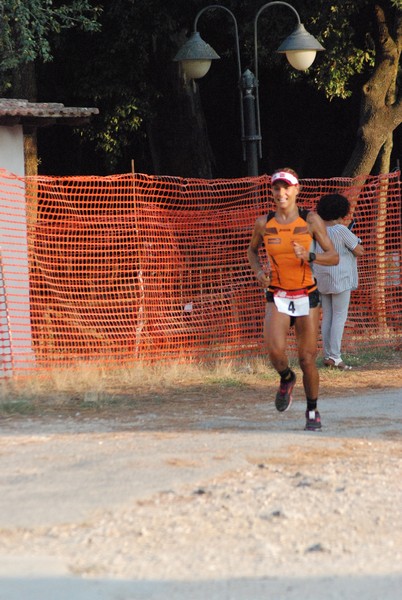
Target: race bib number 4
(294,304)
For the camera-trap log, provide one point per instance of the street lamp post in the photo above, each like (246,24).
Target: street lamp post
(195,58)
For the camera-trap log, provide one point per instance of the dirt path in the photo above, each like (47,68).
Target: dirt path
(194,498)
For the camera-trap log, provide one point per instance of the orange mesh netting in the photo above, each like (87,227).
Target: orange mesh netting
(145,268)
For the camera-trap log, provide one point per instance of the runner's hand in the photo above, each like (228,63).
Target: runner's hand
(263,278)
(300,251)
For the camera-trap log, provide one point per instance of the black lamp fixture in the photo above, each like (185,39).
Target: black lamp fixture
(195,57)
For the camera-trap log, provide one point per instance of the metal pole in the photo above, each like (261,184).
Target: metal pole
(248,82)
(262,9)
(251,137)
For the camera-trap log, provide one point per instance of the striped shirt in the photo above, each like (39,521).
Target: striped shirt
(343,276)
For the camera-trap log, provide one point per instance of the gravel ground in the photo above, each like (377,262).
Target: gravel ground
(201,501)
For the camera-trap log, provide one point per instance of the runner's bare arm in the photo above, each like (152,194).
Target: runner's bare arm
(319,232)
(253,254)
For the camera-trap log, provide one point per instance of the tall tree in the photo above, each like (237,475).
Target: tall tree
(363,41)
(27,28)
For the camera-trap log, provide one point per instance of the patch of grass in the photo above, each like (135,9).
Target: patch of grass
(20,406)
(230,382)
(367,356)
(90,387)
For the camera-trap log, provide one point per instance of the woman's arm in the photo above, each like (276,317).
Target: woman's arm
(319,232)
(358,250)
(253,254)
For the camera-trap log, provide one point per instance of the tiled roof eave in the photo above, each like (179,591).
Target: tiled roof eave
(40,114)
(8,121)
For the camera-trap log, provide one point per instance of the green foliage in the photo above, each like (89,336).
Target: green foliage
(26,28)
(119,122)
(346,32)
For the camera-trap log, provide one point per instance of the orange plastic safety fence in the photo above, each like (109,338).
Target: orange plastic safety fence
(144,268)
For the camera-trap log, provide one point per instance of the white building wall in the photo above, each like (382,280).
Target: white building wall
(12,149)
(15,321)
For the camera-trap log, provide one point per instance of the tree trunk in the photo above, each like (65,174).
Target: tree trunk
(380,115)
(30,151)
(383,162)
(178,137)
(381,107)
(24,82)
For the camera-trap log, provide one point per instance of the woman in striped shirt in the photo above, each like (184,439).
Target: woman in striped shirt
(335,283)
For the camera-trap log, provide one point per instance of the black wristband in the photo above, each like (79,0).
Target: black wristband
(311,257)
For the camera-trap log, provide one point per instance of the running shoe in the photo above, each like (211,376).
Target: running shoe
(313,420)
(283,398)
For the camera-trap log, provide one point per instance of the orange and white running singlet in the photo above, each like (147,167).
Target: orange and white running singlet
(287,271)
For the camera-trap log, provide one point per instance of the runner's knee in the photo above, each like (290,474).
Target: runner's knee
(307,360)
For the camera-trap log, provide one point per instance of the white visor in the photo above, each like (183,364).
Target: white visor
(284,176)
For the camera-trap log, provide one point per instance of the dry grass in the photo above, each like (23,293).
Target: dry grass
(96,388)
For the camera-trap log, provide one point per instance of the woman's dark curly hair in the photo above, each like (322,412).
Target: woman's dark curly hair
(333,206)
